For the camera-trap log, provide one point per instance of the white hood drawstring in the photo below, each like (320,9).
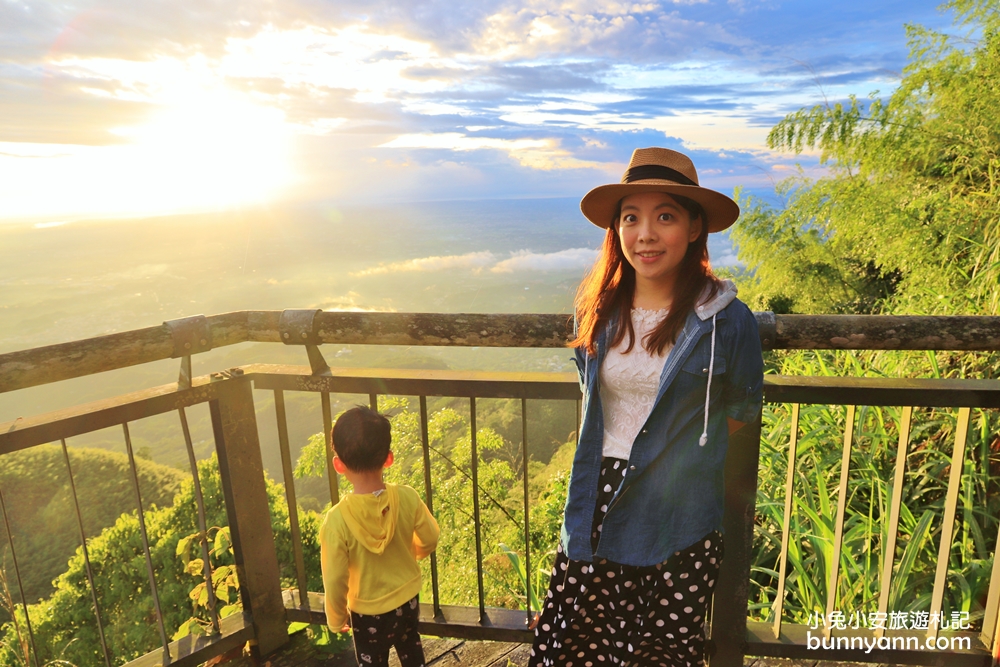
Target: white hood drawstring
(703,440)
(724,296)
(586,363)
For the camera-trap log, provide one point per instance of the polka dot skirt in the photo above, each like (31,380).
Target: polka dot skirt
(606,613)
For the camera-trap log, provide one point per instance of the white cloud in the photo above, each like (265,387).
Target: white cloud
(543,154)
(572,259)
(321,126)
(351,58)
(349,303)
(472,260)
(539,27)
(183,110)
(459,142)
(564,260)
(727,259)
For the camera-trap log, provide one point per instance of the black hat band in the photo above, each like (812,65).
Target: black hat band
(649,171)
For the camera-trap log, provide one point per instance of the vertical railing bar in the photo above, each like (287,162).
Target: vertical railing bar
(786,527)
(202,523)
(244,487)
(579,416)
(86,556)
(293,508)
(732,589)
(145,545)
(527,530)
(475,509)
(995,651)
(838,538)
(373,402)
(17,575)
(950,506)
(709,624)
(429,500)
(331,474)
(990,626)
(889,552)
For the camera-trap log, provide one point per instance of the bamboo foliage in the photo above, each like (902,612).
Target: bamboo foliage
(817,467)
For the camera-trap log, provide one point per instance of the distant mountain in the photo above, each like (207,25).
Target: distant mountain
(87,278)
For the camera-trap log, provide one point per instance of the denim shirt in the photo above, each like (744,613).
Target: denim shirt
(672,493)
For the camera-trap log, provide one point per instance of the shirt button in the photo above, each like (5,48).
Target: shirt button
(645,430)
(631,467)
(704,370)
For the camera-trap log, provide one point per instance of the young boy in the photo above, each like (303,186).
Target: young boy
(370,542)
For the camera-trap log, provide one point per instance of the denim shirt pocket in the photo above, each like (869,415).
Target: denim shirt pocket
(690,383)
(698,362)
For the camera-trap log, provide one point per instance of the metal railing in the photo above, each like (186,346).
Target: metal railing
(239,458)
(439,619)
(229,395)
(904,647)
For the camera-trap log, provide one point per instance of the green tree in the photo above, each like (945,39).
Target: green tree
(500,500)
(908,217)
(906,221)
(64,623)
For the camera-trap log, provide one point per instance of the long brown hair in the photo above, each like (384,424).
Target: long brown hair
(607,291)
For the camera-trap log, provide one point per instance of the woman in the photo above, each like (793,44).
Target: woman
(670,365)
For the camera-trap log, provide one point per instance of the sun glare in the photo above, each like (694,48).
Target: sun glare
(200,150)
(217,149)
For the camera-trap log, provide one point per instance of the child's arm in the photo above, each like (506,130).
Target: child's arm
(425,532)
(333,562)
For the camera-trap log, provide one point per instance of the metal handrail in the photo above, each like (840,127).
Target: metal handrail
(231,404)
(63,361)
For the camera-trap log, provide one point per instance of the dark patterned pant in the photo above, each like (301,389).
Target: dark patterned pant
(374,634)
(604,613)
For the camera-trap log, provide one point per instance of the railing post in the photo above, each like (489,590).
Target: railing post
(732,591)
(242,471)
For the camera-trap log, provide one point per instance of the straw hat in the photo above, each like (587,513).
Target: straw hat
(659,170)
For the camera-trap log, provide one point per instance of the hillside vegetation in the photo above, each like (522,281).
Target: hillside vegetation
(64,624)
(36,490)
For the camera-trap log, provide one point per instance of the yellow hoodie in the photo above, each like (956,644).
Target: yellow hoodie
(369,550)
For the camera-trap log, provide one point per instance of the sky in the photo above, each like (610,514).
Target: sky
(129,108)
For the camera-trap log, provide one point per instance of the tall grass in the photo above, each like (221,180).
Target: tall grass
(869,490)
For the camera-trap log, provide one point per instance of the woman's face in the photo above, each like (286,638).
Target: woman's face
(655,232)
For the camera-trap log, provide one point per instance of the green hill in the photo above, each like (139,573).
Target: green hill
(39,502)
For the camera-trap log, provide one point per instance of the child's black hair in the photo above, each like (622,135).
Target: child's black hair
(361,438)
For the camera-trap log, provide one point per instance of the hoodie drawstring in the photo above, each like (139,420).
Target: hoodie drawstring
(703,440)
(586,358)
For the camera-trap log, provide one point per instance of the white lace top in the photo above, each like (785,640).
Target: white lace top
(629,383)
